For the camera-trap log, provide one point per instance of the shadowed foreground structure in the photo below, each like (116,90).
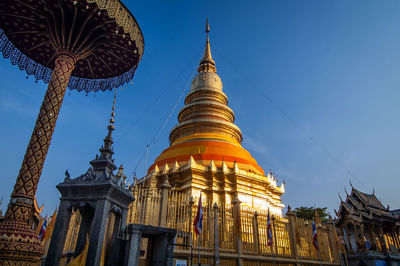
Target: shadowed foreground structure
(74,43)
(369,232)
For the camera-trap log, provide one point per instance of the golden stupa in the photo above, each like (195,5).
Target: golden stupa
(205,153)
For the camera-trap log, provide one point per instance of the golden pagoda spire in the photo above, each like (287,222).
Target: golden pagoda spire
(207,64)
(113,111)
(107,150)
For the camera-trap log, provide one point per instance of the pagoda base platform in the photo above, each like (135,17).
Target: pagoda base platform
(19,244)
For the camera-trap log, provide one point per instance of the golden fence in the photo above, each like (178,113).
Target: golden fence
(146,207)
(234,234)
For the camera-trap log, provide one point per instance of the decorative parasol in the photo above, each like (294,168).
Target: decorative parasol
(87,45)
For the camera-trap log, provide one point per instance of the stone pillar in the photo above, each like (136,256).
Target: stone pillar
(371,238)
(343,244)
(358,237)
(124,219)
(362,236)
(97,232)
(210,222)
(275,239)
(342,239)
(59,234)
(237,223)
(132,258)
(191,202)
(348,237)
(360,245)
(332,239)
(382,238)
(165,188)
(397,233)
(292,232)
(144,195)
(216,239)
(396,238)
(256,234)
(376,239)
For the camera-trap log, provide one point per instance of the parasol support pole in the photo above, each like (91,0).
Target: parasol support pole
(19,213)
(32,165)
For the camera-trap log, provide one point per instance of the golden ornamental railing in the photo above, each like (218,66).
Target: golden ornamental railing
(233,232)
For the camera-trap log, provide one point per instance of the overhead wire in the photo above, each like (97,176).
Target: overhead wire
(163,125)
(159,97)
(291,120)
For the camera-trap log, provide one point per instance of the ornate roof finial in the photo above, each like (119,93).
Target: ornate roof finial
(106,150)
(340,197)
(351,184)
(207,27)
(111,125)
(105,159)
(207,64)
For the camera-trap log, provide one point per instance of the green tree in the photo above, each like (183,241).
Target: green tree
(307,213)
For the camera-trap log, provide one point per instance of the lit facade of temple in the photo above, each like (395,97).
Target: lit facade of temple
(205,153)
(99,222)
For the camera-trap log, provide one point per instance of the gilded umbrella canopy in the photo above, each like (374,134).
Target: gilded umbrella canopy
(85,45)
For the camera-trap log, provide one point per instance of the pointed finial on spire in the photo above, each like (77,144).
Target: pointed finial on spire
(340,197)
(235,167)
(113,112)
(212,166)
(165,169)
(106,150)
(207,64)
(108,140)
(156,169)
(105,162)
(176,166)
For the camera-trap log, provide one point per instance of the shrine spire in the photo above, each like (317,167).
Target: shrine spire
(108,141)
(105,160)
(207,64)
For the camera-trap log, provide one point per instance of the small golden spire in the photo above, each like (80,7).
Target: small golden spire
(111,125)
(207,64)
(106,150)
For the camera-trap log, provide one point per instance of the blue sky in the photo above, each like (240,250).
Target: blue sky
(314,85)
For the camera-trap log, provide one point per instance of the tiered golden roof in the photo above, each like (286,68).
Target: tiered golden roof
(206,128)
(206,139)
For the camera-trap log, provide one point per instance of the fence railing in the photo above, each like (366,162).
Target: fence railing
(233,234)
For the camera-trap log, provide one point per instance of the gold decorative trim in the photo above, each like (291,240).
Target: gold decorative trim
(115,9)
(213,94)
